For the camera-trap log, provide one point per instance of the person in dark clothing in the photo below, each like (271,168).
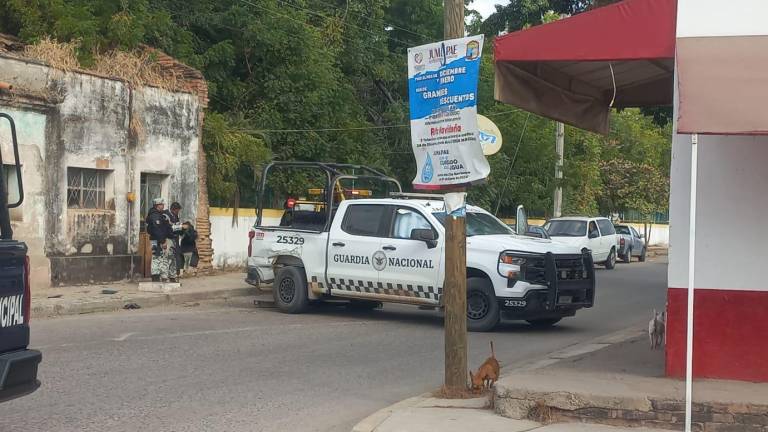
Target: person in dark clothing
(159,230)
(158,226)
(188,243)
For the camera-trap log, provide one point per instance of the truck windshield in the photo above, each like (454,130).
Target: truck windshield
(480,224)
(621,229)
(566,228)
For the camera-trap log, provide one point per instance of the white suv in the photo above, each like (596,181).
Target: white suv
(594,233)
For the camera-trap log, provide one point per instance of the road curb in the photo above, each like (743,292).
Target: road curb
(148,300)
(370,423)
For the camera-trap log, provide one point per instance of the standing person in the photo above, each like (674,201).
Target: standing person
(188,243)
(175,221)
(160,230)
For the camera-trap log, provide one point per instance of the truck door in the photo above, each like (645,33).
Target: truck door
(607,236)
(353,244)
(595,243)
(411,266)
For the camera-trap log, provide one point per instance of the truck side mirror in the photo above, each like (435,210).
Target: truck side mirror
(594,234)
(426,235)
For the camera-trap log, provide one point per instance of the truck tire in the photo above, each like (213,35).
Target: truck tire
(610,263)
(544,323)
(628,257)
(483,312)
(290,290)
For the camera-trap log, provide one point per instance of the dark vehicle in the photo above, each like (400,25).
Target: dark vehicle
(630,243)
(18,365)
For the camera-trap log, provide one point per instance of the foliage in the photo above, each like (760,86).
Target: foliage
(228,151)
(633,185)
(325,80)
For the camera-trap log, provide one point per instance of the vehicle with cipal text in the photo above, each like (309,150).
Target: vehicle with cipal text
(18,364)
(370,250)
(594,233)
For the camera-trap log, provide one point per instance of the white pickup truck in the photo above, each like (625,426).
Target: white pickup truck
(392,250)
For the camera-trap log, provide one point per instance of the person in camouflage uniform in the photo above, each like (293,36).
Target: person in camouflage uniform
(160,229)
(164,263)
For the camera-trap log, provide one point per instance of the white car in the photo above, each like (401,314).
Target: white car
(392,250)
(594,233)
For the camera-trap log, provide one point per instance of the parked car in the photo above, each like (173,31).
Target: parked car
(630,243)
(594,233)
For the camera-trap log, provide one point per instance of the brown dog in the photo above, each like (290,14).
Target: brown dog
(487,373)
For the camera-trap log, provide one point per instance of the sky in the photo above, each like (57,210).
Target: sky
(485,7)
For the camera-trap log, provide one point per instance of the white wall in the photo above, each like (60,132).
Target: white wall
(706,18)
(731,241)
(230,243)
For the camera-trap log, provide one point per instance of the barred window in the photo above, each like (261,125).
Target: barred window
(86,188)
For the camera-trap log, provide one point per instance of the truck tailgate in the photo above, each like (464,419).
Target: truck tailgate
(14,330)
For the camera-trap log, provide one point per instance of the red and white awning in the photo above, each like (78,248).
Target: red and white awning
(573,69)
(624,55)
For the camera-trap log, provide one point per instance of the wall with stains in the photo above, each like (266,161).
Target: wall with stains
(76,120)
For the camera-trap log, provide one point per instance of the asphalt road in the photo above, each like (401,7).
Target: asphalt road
(231,367)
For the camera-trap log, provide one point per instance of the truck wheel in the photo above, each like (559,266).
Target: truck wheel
(610,263)
(642,256)
(290,290)
(544,323)
(482,308)
(628,257)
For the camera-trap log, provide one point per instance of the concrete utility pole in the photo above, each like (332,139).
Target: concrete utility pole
(559,146)
(455,286)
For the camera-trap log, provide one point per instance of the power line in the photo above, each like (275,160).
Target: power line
(511,165)
(423,36)
(266,9)
(344,23)
(321,129)
(357,128)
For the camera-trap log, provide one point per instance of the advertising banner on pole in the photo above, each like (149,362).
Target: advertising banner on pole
(442,88)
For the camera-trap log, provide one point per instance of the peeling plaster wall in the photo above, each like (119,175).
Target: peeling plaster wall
(88,124)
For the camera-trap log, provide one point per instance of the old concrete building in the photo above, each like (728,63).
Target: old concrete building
(94,152)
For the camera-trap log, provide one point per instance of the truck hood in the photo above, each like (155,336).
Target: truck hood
(520,243)
(577,242)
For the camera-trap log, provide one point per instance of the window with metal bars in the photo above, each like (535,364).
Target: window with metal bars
(86,188)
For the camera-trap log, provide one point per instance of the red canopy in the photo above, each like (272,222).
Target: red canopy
(573,69)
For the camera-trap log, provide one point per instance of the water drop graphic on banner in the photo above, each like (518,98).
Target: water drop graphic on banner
(428,171)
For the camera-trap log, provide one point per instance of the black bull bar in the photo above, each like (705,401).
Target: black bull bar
(566,276)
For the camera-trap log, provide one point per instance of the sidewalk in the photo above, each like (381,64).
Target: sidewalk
(427,414)
(75,300)
(612,383)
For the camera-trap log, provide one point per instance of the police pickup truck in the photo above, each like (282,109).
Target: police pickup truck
(18,365)
(375,250)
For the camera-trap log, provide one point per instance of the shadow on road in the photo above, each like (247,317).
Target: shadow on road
(402,314)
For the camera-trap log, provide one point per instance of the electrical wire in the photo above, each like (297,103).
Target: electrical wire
(360,127)
(266,9)
(322,15)
(423,36)
(511,165)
